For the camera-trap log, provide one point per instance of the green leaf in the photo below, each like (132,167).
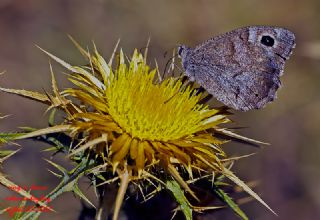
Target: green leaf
(58,167)
(79,193)
(69,181)
(49,130)
(5,154)
(228,200)
(246,188)
(178,194)
(12,186)
(52,115)
(6,137)
(21,206)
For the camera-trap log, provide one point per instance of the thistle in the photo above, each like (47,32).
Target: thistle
(130,126)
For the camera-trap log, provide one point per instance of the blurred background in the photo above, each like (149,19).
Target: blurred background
(287,170)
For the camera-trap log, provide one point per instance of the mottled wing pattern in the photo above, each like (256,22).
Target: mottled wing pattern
(241,68)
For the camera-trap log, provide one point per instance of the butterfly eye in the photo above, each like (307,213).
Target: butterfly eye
(267,41)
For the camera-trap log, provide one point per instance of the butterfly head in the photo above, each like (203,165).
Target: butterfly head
(183,51)
(181,48)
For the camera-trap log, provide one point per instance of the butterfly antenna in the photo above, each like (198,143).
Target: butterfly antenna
(166,52)
(171,62)
(144,49)
(166,66)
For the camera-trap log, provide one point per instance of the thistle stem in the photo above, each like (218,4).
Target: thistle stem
(124,182)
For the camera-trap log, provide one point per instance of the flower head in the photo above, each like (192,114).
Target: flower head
(144,120)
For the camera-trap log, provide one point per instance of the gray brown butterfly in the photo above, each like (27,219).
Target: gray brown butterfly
(241,68)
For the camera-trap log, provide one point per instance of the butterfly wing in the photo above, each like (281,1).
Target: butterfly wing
(242,68)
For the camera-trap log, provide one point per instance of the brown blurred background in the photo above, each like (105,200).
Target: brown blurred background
(288,170)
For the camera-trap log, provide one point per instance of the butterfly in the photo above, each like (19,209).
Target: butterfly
(240,68)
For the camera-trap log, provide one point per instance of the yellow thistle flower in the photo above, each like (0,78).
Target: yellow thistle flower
(137,123)
(147,121)
(143,121)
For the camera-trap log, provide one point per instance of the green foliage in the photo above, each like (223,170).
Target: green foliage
(180,198)
(7,137)
(223,196)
